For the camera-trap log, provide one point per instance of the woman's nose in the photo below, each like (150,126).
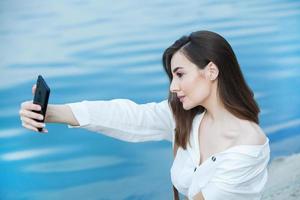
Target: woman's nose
(174,86)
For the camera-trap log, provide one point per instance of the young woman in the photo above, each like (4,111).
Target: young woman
(210,116)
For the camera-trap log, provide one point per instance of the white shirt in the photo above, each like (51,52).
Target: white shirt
(238,173)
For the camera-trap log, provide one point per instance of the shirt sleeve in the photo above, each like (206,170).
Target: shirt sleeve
(126,120)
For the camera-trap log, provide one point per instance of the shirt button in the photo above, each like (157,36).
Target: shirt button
(195,169)
(213,158)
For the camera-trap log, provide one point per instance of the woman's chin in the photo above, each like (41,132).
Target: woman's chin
(185,106)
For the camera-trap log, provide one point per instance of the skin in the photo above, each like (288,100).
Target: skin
(55,114)
(219,128)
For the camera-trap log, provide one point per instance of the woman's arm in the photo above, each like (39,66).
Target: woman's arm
(125,120)
(55,114)
(60,114)
(119,118)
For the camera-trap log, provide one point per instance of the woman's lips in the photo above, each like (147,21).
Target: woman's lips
(181,98)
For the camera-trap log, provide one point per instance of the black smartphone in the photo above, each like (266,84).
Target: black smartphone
(41,97)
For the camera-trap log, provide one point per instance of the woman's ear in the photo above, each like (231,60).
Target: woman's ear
(213,71)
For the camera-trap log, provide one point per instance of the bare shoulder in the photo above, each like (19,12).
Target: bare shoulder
(251,133)
(243,132)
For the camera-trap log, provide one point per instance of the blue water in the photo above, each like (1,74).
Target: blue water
(91,50)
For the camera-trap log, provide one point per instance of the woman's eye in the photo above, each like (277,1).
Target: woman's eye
(179,75)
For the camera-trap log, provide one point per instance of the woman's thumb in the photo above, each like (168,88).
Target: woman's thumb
(33,89)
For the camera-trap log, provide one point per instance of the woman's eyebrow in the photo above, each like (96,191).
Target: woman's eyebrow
(174,70)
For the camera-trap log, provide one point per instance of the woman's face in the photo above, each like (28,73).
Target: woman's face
(191,84)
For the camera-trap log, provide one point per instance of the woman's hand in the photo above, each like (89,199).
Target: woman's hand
(28,117)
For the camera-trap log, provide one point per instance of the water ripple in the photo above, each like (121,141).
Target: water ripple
(73,164)
(35,153)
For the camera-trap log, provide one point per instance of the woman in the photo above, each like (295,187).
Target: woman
(211,117)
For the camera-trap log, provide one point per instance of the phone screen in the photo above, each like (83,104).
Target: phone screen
(41,97)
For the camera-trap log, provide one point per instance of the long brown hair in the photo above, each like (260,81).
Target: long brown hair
(202,47)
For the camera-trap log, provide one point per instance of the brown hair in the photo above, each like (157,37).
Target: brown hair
(202,47)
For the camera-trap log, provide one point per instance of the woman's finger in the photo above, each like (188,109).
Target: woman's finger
(28,105)
(28,126)
(33,89)
(45,130)
(33,122)
(30,114)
